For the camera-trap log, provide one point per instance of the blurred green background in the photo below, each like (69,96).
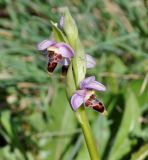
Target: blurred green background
(36,121)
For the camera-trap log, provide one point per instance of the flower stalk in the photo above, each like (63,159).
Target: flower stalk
(83,120)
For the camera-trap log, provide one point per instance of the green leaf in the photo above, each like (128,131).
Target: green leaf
(58,34)
(101,132)
(141,154)
(5,121)
(130,123)
(79,63)
(5,154)
(83,153)
(61,126)
(11,131)
(117,65)
(70,83)
(117,68)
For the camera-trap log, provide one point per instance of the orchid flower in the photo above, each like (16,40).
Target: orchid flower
(56,53)
(60,53)
(86,95)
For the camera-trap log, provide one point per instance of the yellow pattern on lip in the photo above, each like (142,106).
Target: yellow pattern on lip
(53,49)
(89,93)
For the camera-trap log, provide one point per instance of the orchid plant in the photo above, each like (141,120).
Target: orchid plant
(66,49)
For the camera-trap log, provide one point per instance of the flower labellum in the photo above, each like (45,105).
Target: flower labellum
(94,103)
(86,95)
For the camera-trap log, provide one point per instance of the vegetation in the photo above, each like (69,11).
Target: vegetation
(36,121)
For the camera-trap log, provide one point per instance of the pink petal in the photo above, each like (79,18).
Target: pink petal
(45,44)
(90,83)
(94,85)
(90,61)
(86,81)
(82,93)
(61,22)
(76,101)
(65,50)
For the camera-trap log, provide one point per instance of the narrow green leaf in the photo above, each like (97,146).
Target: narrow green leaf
(101,129)
(141,154)
(58,34)
(5,121)
(129,124)
(62,121)
(79,63)
(70,83)
(82,154)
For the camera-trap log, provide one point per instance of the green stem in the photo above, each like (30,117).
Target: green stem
(82,117)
